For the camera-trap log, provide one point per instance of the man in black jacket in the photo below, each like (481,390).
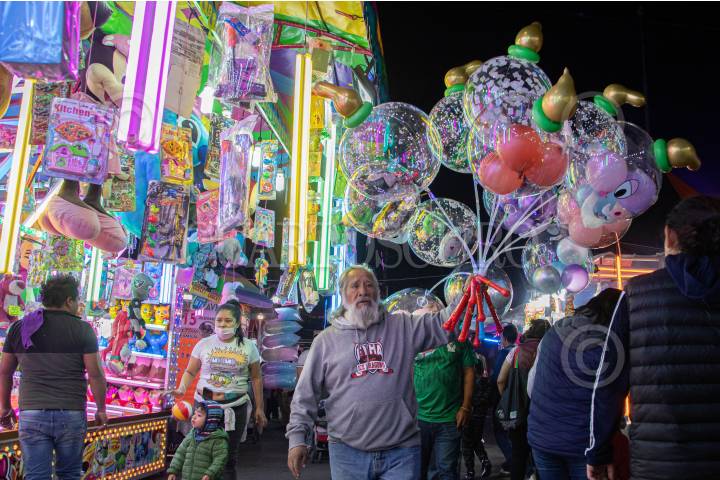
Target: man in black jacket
(664,348)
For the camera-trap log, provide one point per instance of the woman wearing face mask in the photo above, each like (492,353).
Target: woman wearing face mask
(226,363)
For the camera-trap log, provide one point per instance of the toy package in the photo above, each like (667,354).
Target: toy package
(176,155)
(78,140)
(66,254)
(154,271)
(268,169)
(235,167)
(240,68)
(165,225)
(41,40)
(207,214)
(309,295)
(285,247)
(38,268)
(119,190)
(286,286)
(218,124)
(122,282)
(264,227)
(43,96)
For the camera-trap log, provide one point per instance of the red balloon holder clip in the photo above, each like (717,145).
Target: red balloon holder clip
(474,298)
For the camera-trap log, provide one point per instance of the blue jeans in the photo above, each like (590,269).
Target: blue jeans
(558,467)
(441,442)
(348,463)
(503,441)
(42,431)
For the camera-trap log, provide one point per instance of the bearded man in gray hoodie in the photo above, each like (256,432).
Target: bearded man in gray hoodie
(362,367)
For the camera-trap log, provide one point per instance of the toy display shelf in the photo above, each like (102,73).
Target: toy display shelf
(150,355)
(134,383)
(157,328)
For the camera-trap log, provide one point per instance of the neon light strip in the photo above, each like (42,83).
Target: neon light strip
(322,261)
(166,283)
(16,182)
(146,77)
(94,278)
(300,161)
(626,270)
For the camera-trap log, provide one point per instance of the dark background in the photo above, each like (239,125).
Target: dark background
(668,51)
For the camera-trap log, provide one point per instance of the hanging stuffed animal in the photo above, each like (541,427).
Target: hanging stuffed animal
(141,285)
(11,287)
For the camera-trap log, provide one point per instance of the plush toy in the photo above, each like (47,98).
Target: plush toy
(147,312)
(162,314)
(232,252)
(11,287)
(118,346)
(157,342)
(141,285)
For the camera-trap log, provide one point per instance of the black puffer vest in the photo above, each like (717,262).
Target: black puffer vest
(674,381)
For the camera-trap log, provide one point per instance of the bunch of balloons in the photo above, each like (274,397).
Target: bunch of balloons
(552,261)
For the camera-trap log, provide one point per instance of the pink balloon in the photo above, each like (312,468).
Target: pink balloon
(520,148)
(604,172)
(497,178)
(583,236)
(551,168)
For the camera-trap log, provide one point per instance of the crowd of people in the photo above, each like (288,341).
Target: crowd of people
(404,399)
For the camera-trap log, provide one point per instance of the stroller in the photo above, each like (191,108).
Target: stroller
(320,436)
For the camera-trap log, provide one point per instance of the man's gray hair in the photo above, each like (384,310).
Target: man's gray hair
(342,284)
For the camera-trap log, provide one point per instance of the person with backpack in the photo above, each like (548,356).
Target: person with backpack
(507,343)
(664,349)
(561,388)
(514,403)
(472,434)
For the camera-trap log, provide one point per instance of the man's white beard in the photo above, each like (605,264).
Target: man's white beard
(362,317)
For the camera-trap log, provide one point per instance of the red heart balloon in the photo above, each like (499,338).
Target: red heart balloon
(520,148)
(496,177)
(551,168)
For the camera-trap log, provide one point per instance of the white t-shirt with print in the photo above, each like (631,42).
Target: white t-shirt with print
(225,366)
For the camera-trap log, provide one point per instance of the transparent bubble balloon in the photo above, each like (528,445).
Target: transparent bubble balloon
(508,155)
(376,219)
(392,154)
(609,189)
(592,129)
(447,116)
(523,215)
(415,301)
(516,79)
(544,269)
(438,234)
(457,280)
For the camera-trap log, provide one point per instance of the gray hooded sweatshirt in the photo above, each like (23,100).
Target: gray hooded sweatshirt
(365,378)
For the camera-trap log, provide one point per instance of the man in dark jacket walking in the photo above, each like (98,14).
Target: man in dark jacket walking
(664,348)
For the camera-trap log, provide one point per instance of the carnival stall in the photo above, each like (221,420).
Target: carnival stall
(171,156)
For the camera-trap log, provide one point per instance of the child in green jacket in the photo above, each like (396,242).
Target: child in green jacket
(203,453)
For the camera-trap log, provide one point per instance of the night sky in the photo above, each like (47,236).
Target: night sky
(667,51)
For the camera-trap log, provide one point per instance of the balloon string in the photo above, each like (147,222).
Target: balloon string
(479,222)
(445,278)
(524,218)
(506,249)
(454,230)
(497,228)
